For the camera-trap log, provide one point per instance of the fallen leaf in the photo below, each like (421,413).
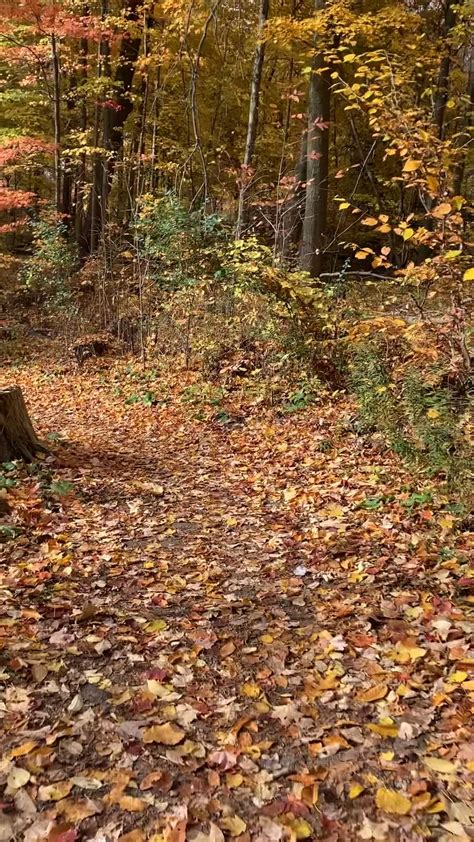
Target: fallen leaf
(20,751)
(439,764)
(392,801)
(132,804)
(17,777)
(373,694)
(169,734)
(234,825)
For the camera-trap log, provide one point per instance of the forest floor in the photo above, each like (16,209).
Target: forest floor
(259,630)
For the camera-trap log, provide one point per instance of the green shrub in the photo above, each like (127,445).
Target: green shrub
(421,418)
(48,271)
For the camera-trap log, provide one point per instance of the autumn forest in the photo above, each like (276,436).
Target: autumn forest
(236,430)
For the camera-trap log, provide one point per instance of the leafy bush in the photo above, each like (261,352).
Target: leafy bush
(423,418)
(178,246)
(48,271)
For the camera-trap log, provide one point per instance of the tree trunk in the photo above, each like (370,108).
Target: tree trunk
(442,88)
(317,166)
(253,118)
(56,122)
(17,436)
(293,216)
(114,114)
(463,137)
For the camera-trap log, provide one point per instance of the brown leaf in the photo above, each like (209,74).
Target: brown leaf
(373,694)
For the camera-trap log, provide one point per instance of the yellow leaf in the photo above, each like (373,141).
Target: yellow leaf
(20,751)
(446,522)
(436,806)
(156,625)
(384,729)
(439,764)
(384,229)
(411,165)
(334,510)
(469,274)
(392,801)
(458,677)
(252,691)
(404,654)
(234,781)
(266,638)
(433,413)
(362,254)
(387,756)
(234,825)
(355,790)
(168,734)
(349,57)
(301,828)
(344,205)
(373,694)
(369,220)
(408,233)
(289,494)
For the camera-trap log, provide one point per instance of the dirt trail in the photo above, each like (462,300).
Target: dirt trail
(253,631)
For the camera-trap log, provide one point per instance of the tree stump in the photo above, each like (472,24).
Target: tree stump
(17,437)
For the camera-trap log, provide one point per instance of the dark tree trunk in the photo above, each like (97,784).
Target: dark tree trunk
(253,117)
(17,437)
(442,88)
(317,165)
(56,122)
(463,139)
(293,214)
(114,114)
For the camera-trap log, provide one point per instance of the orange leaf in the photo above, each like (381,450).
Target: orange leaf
(373,694)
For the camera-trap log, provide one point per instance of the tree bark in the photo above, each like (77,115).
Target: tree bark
(442,88)
(114,114)
(293,216)
(56,121)
(253,117)
(317,166)
(17,437)
(464,135)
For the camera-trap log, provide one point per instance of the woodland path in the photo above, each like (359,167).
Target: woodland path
(250,632)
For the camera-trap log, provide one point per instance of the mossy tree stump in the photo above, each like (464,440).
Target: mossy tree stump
(18,439)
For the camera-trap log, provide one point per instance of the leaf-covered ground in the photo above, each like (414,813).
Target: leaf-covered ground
(257,630)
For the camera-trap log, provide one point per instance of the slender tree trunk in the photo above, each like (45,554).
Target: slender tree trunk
(17,437)
(252,125)
(68,206)
(93,221)
(317,166)
(442,88)
(56,122)
(464,136)
(114,114)
(81,176)
(293,216)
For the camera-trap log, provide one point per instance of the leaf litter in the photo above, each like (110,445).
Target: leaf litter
(214,634)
